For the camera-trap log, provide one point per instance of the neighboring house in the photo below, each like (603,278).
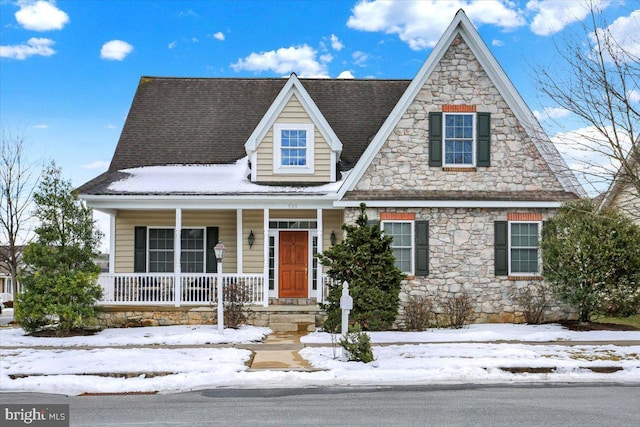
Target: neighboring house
(6,281)
(452,164)
(623,193)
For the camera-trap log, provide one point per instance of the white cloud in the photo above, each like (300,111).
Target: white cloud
(115,50)
(218,36)
(40,16)
(299,59)
(172,45)
(421,23)
(41,126)
(626,32)
(359,58)
(326,58)
(634,95)
(552,16)
(346,75)
(336,44)
(98,164)
(34,46)
(497,43)
(551,113)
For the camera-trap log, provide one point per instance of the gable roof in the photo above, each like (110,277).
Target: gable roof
(621,177)
(293,87)
(194,121)
(462,26)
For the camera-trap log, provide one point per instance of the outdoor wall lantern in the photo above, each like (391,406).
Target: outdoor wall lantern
(251,239)
(219,250)
(333,238)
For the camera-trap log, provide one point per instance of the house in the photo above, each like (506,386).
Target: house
(623,193)
(6,281)
(452,164)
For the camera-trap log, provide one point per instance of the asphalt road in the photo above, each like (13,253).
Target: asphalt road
(464,405)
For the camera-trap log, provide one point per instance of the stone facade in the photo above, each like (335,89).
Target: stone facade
(403,161)
(461,260)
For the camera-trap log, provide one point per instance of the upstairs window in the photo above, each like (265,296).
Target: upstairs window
(293,148)
(459,139)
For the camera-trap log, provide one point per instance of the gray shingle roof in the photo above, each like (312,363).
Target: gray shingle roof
(208,120)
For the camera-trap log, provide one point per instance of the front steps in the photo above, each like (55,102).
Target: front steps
(299,315)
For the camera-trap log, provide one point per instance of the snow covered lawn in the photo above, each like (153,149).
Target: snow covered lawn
(157,335)
(470,355)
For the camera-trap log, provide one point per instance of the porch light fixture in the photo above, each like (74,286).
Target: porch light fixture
(333,238)
(251,239)
(219,250)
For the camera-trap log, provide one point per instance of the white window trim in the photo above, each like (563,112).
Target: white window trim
(537,273)
(204,249)
(413,241)
(277,158)
(473,142)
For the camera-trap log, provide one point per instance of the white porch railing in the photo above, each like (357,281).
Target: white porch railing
(193,289)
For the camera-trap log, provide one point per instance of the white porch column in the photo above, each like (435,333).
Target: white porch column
(177,251)
(112,243)
(239,240)
(265,227)
(319,247)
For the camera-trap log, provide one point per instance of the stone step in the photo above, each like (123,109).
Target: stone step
(297,322)
(292,301)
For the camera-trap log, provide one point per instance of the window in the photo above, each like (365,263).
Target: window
(523,247)
(192,256)
(402,245)
(161,250)
(459,139)
(293,148)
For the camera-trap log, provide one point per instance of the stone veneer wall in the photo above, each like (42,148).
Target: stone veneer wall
(461,260)
(402,162)
(123,317)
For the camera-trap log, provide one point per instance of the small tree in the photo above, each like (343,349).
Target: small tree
(365,260)
(591,259)
(60,279)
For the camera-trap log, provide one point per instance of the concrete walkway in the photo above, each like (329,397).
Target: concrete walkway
(280,351)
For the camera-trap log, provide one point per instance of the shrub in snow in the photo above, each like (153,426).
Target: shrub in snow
(60,280)
(418,312)
(591,259)
(357,345)
(235,296)
(458,310)
(533,300)
(365,260)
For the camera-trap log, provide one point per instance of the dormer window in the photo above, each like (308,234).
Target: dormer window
(293,148)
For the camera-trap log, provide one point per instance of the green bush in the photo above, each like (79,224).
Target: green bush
(591,259)
(365,260)
(357,345)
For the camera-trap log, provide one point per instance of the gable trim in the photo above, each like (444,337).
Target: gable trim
(291,88)
(461,25)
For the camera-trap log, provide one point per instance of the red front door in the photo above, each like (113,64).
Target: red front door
(293,259)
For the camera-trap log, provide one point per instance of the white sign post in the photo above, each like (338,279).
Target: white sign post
(346,304)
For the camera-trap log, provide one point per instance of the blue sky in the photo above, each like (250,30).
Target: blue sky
(69,69)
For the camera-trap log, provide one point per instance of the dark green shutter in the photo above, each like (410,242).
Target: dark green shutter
(435,139)
(212,240)
(422,248)
(483,137)
(140,250)
(501,248)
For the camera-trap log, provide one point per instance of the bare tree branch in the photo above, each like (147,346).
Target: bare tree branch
(18,180)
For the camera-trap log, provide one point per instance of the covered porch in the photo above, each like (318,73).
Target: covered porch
(164,257)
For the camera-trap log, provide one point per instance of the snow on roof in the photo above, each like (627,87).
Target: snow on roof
(206,179)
